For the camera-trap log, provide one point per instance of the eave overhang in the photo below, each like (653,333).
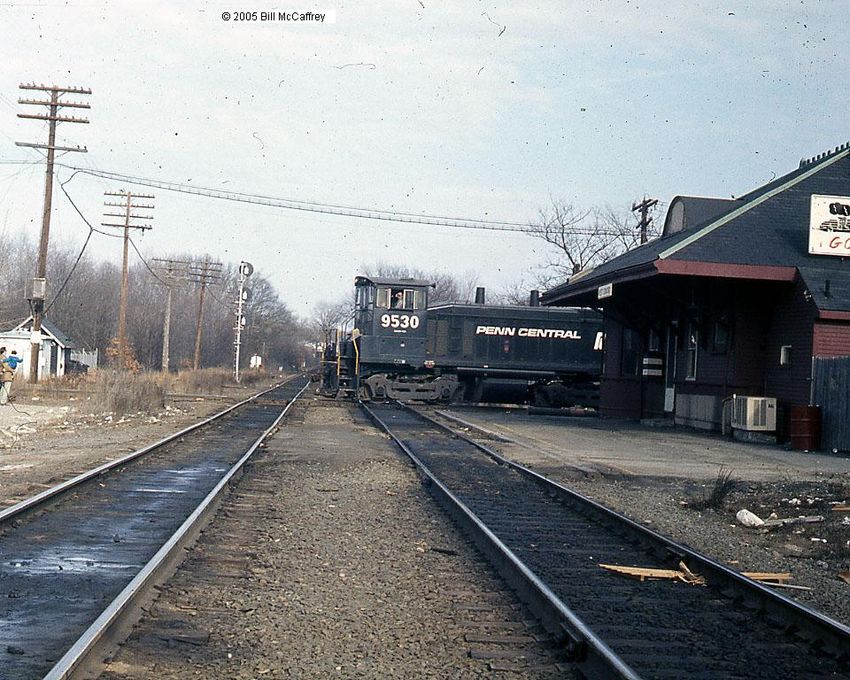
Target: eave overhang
(671,267)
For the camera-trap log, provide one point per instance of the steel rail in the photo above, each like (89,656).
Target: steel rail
(584,647)
(835,634)
(581,644)
(34,501)
(78,655)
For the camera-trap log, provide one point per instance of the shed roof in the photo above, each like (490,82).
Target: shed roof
(761,235)
(51,330)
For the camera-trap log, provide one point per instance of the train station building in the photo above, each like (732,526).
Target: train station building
(740,305)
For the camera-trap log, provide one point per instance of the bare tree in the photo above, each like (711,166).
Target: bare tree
(328,316)
(583,238)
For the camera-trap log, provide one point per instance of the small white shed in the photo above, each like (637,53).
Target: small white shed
(54,353)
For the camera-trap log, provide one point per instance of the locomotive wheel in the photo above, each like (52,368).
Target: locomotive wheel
(364,393)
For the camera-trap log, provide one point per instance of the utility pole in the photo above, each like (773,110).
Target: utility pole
(244,294)
(208,272)
(171,271)
(130,222)
(645,219)
(39,283)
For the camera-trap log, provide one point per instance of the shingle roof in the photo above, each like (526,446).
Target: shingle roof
(693,211)
(62,338)
(767,227)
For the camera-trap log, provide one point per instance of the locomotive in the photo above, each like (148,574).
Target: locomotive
(402,348)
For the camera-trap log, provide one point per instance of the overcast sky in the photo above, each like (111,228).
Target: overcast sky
(471,109)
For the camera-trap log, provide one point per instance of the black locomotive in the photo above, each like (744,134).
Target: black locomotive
(400,348)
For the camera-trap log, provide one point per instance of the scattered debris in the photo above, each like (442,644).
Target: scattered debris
(643,573)
(802,519)
(841,507)
(749,519)
(844,576)
(779,577)
(444,551)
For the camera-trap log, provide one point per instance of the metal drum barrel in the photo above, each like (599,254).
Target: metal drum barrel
(805,427)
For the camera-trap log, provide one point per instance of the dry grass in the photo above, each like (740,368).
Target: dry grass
(202,381)
(723,486)
(123,392)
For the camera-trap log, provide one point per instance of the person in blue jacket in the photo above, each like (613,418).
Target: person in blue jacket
(8,365)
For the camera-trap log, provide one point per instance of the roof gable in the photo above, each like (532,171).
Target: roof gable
(767,227)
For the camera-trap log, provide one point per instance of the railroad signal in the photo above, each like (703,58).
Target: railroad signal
(242,298)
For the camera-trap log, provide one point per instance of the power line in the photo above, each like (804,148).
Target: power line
(331,208)
(312,206)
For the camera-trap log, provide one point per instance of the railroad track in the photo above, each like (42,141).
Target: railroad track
(548,542)
(77,559)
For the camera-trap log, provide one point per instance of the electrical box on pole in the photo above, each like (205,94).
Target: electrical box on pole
(52,116)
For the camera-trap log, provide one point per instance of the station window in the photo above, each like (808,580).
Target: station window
(692,350)
(720,338)
(785,355)
(653,341)
(630,352)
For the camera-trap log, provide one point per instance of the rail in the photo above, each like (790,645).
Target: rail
(594,654)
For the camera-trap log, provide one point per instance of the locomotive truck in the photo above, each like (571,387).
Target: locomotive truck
(402,348)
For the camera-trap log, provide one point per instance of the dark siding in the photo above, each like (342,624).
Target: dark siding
(619,396)
(792,324)
(831,379)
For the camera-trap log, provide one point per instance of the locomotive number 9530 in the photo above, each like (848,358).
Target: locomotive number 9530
(399,321)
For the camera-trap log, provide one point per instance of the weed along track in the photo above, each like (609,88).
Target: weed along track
(656,610)
(74,558)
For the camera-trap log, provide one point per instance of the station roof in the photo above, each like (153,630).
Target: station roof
(762,235)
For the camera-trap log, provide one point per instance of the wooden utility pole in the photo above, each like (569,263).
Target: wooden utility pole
(645,219)
(39,283)
(204,274)
(172,272)
(130,222)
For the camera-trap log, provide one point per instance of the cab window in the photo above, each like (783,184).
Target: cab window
(419,299)
(401,298)
(383,298)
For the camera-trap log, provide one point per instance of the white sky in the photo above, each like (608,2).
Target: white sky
(420,109)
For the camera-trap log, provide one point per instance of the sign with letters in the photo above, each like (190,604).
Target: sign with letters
(829,225)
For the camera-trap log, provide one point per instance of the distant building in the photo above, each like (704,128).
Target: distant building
(729,300)
(54,353)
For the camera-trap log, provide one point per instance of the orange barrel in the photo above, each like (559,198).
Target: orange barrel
(805,427)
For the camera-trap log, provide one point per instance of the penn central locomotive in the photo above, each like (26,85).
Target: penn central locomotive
(402,348)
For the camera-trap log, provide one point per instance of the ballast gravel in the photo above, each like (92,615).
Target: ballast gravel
(330,560)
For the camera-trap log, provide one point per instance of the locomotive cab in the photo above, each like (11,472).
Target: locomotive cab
(390,315)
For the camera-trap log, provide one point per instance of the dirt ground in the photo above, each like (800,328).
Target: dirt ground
(46,441)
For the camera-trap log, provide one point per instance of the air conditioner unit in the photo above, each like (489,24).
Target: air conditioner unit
(754,414)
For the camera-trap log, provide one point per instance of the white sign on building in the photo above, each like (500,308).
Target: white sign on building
(829,225)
